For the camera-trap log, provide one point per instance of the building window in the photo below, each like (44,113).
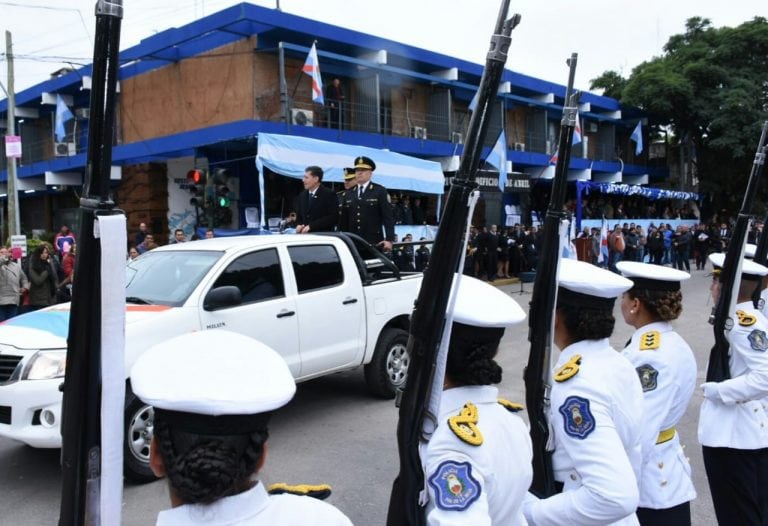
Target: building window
(316,267)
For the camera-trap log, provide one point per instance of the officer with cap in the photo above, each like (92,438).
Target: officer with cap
(210,430)
(350,181)
(596,407)
(667,370)
(733,422)
(369,208)
(478,462)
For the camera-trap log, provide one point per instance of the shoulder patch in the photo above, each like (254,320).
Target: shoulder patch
(454,486)
(745,319)
(650,341)
(464,425)
(648,377)
(318,491)
(758,340)
(510,406)
(569,370)
(577,418)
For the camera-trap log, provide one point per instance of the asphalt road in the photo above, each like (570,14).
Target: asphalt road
(334,432)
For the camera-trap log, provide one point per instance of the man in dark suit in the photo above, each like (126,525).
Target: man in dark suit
(369,209)
(316,206)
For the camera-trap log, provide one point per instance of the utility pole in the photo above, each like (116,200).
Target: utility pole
(13,196)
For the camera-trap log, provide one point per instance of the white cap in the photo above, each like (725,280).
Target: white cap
(212,373)
(749,250)
(654,277)
(582,283)
(485,306)
(748,267)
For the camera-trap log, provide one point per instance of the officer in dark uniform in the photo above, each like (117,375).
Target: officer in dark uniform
(369,208)
(343,199)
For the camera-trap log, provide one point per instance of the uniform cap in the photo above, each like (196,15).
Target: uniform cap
(349,173)
(584,284)
(749,269)
(365,163)
(652,277)
(213,382)
(482,311)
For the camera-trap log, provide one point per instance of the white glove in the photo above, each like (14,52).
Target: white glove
(711,391)
(528,502)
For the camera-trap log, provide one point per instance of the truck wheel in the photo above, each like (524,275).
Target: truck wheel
(139,422)
(388,369)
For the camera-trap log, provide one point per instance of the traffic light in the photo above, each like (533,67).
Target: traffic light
(196,183)
(221,193)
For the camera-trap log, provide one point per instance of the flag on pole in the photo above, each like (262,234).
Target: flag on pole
(312,68)
(637,136)
(498,158)
(577,131)
(602,257)
(62,115)
(566,241)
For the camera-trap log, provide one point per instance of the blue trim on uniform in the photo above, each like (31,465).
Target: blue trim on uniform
(454,486)
(577,417)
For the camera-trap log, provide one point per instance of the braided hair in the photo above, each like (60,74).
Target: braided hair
(587,323)
(664,305)
(205,468)
(471,358)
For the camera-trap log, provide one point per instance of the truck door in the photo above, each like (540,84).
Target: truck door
(330,306)
(266,312)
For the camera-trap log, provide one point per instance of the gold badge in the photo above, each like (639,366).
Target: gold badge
(513,407)
(569,370)
(464,425)
(745,319)
(650,340)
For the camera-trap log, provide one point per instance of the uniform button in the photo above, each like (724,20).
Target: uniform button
(661,465)
(663,482)
(755,409)
(573,477)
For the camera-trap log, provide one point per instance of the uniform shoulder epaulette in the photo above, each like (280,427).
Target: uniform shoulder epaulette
(745,319)
(317,491)
(464,425)
(569,370)
(510,406)
(650,341)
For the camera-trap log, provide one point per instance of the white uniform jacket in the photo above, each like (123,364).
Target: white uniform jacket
(481,484)
(739,418)
(667,370)
(596,416)
(256,507)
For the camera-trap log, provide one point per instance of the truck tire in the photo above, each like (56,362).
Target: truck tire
(388,369)
(139,422)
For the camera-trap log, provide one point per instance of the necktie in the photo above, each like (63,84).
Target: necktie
(360,192)
(309,198)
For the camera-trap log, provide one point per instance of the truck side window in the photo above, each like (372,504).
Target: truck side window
(316,267)
(257,275)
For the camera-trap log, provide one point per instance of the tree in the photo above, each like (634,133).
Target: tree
(711,87)
(611,82)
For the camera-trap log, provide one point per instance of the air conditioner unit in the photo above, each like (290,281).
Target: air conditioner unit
(302,117)
(591,127)
(64,149)
(457,138)
(519,146)
(83,113)
(418,132)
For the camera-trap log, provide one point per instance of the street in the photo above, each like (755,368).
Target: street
(334,432)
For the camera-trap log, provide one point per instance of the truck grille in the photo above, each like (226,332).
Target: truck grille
(8,363)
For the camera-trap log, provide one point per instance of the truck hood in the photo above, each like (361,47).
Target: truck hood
(48,328)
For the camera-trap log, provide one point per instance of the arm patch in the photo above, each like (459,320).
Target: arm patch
(758,340)
(577,417)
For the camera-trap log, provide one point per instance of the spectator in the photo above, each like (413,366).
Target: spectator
(132,254)
(141,234)
(209,234)
(683,245)
(418,211)
(667,232)
(178,236)
(655,245)
(43,279)
(334,97)
(701,245)
(13,282)
(63,240)
(147,244)
(407,211)
(616,247)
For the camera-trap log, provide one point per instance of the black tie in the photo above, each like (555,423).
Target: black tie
(360,192)
(309,199)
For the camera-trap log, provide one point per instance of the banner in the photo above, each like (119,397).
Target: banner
(13,146)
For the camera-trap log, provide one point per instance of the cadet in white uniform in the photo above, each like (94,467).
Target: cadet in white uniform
(733,423)
(596,408)
(749,252)
(210,430)
(477,464)
(667,370)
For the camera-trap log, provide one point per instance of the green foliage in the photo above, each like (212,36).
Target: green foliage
(711,86)
(611,82)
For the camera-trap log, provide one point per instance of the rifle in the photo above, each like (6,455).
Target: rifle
(81,426)
(761,257)
(718,369)
(428,319)
(540,319)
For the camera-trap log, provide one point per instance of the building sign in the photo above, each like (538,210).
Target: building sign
(488,181)
(13,146)
(19,243)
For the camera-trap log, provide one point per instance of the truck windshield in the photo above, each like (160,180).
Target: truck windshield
(167,278)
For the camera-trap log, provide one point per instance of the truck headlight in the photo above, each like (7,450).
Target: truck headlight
(46,365)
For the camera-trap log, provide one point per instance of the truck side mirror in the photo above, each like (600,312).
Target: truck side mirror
(222,297)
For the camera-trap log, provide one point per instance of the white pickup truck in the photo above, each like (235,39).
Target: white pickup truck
(326,303)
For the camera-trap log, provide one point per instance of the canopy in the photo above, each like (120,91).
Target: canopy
(289,155)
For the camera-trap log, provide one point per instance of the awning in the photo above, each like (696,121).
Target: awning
(289,155)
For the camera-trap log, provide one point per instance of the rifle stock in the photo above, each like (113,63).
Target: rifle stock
(718,369)
(427,321)
(543,303)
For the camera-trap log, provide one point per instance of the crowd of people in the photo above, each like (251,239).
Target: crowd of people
(597,206)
